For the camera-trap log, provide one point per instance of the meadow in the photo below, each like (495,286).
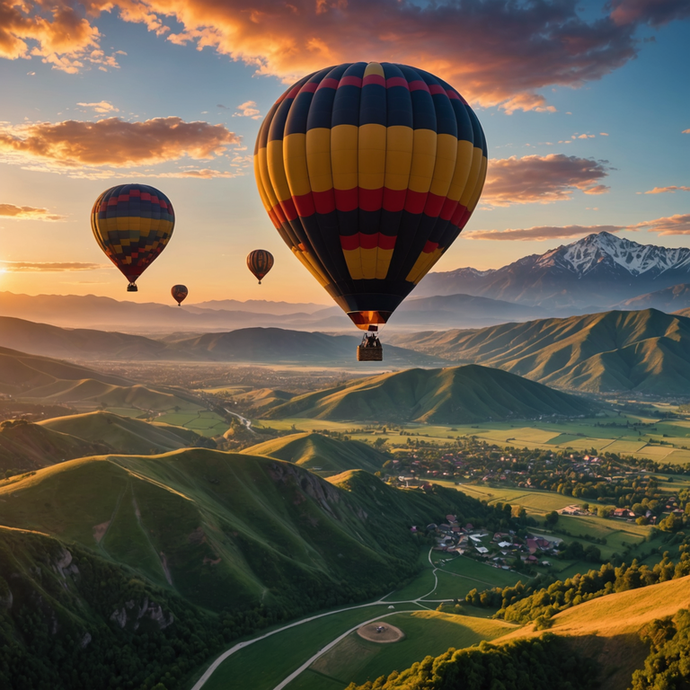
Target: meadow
(664,440)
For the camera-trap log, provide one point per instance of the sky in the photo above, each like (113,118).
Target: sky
(585,107)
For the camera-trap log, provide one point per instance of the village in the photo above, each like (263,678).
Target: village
(505,550)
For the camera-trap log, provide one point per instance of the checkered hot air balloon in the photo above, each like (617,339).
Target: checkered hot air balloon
(369,172)
(132,223)
(259,262)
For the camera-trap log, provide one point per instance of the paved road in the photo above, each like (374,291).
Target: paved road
(244,420)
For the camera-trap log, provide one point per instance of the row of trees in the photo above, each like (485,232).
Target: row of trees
(535,602)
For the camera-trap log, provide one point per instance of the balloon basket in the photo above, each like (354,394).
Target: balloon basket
(369,354)
(132,287)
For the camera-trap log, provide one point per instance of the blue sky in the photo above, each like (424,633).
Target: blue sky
(633,119)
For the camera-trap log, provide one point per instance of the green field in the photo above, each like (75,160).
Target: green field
(576,434)
(426,633)
(204,422)
(262,665)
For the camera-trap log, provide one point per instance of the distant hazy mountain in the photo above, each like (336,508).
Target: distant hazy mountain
(259,306)
(600,269)
(669,300)
(646,351)
(281,345)
(104,313)
(320,453)
(463,311)
(455,395)
(267,345)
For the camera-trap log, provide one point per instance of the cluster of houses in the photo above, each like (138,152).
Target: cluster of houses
(499,549)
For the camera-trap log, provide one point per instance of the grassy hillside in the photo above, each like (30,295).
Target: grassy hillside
(444,396)
(232,530)
(646,351)
(26,446)
(124,434)
(31,377)
(320,453)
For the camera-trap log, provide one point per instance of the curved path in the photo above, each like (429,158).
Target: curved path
(381,602)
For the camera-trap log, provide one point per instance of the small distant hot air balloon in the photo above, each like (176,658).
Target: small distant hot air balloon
(260,262)
(132,223)
(179,293)
(369,171)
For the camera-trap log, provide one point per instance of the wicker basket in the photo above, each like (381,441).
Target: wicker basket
(369,354)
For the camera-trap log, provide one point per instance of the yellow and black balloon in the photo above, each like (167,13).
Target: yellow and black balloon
(259,262)
(132,223)
(369,171)
(179,293)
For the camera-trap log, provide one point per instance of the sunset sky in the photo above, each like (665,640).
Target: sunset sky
(586,109)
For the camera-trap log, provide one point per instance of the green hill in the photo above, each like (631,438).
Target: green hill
(26,446)
(316,452)
(32,377)
(124,434)
(454,395)
(232,530)
(646,351)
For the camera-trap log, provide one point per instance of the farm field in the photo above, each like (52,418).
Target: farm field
(426,633)
(666,440)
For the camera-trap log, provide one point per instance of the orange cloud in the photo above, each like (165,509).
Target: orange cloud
(541,179)
(664,190)
(540,233)
(653,12)
(248,109)
(113,142)
(48,266)
(497,52)
(671,225)
(102,107)
(27,213)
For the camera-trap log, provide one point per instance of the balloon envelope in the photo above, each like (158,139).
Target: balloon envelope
(179,293)
(369,172)
(132,223)
(259,262)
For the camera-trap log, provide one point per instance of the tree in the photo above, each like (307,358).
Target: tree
(552,518)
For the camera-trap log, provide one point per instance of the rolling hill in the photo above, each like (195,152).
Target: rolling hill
(645,351)
(316,452)
(225,529)
(28,446)
(446,396)
(32,377)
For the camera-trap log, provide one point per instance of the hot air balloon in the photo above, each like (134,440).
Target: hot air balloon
(179,293)
(260,262)
(132,223)
(369,171)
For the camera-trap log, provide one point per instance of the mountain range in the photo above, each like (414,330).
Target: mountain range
(646,351)
(456,395)
(598,271)
(269,345)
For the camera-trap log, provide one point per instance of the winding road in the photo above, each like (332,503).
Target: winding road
(381,602)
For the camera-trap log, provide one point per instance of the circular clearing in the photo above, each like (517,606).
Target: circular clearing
(380,632)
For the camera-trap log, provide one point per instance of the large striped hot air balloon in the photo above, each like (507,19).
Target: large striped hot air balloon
(369,172)
(132,223)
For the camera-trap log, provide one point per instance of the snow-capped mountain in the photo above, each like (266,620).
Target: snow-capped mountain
(600,270)
(606,250)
